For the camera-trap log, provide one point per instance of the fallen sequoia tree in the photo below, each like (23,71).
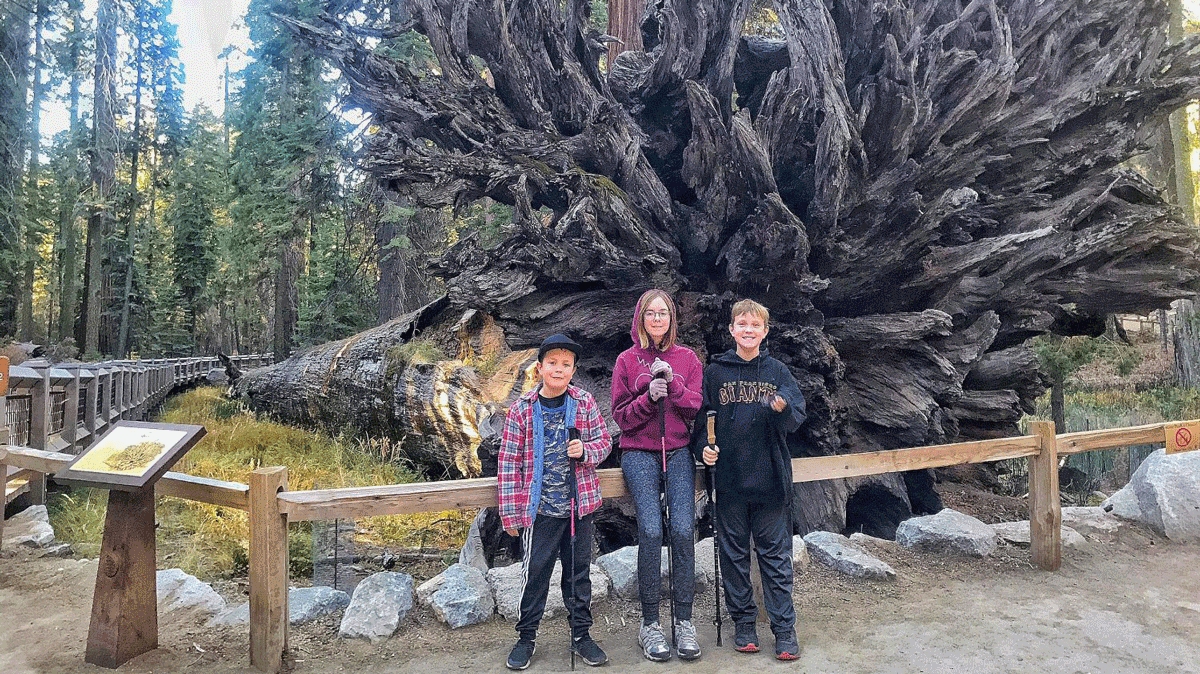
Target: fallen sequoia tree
(914,187)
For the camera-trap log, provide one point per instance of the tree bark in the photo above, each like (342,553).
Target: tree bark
(68,229)
(625,24)
(14,136)
(914,189)
(103,171)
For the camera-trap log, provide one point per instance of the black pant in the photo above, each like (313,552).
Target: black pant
(548,539)
(768,524)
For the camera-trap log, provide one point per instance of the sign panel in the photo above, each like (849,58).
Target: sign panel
(1182,437)
(131,455)
(3,376)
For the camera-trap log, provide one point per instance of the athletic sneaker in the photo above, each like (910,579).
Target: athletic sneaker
(745,638)
(685,640)
(522,651)
(654,642)
(786,646)
(590,651)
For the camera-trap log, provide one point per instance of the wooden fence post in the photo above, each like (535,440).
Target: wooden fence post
(1045,509)
(268,570)
(88,398)
(39,430)
(70,430)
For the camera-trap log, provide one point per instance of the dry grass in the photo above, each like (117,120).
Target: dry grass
(210,541)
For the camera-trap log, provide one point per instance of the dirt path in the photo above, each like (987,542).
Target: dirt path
(1121,607)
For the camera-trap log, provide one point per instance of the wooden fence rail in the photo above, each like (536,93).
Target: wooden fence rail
(271,506)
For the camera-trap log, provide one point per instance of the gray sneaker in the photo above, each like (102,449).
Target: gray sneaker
(654,643)
(685,640)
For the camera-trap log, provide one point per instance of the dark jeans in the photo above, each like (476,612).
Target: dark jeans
(643,478)
(547,540)
(768,525)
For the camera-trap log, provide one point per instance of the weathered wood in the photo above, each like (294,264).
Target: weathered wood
(125,603)
(268,570)
(1045,508)
(204,490)
(1086,441)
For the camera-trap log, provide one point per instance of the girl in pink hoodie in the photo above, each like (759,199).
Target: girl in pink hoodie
(656,392)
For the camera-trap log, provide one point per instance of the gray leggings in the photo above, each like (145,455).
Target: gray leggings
(643,478)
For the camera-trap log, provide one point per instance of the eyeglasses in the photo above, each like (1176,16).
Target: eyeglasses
(657,315)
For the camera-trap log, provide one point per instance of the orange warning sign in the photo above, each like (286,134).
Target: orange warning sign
(1182,437)
(3,376)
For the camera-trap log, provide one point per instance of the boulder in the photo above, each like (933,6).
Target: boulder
(425,590)
(1091,521)
(464,597)
(947,531)
(1017,533)
(183,594)
(505,582)
(1166,490)
(621,568)
(472,552)
(836,552)
(57,550)
(30,528)
(306,604)
(379,604)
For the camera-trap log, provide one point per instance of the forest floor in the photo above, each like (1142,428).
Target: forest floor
(1126,605)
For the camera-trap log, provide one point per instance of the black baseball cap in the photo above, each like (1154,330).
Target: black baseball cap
(559,341)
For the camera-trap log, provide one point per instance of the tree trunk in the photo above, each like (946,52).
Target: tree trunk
(913,188)
(14,136)
(130,252)
(33,236)
(103,171)
(625,24)
(68,229)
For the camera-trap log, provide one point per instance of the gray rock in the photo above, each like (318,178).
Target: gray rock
(379,604)
(425,590)
(800,556)
(836,552)
(306,604)
(472,553)
(1017,533)
(183,594)
(233,615)
(867,542)
(57,550)
(947,531)
(505,582)
(464,597)
(1123,504)
(1167,493)
(1091,521)
(30,528)
(621,568)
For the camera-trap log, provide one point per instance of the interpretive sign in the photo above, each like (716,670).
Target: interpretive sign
(131,455)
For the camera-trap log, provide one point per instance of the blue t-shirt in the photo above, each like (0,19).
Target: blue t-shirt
(556,496)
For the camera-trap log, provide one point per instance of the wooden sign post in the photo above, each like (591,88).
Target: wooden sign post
(127,461)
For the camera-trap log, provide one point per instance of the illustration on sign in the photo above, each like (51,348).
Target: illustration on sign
(129,450)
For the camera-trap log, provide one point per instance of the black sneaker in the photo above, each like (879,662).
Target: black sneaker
(745,638)
(590,651)
(522,651)
(786,646)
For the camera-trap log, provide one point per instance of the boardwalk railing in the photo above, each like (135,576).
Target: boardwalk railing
(272,507)
(62,408)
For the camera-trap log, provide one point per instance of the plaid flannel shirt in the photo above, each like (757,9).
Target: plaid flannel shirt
(516,459)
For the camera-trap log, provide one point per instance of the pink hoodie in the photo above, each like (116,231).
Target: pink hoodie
(636,415)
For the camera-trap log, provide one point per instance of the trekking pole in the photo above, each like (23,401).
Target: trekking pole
(712,505)
(572,434)
(666,509)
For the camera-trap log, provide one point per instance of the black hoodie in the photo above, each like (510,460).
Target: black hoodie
(754,463)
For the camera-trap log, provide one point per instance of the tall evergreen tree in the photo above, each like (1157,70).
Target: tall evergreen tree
(15,29)
(103,170)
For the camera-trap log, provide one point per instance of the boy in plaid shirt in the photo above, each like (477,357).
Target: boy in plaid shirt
(535,462)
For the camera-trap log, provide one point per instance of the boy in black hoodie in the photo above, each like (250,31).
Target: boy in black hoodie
(758,402)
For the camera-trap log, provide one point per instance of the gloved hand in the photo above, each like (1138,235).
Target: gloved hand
(661,369)
(658,389)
